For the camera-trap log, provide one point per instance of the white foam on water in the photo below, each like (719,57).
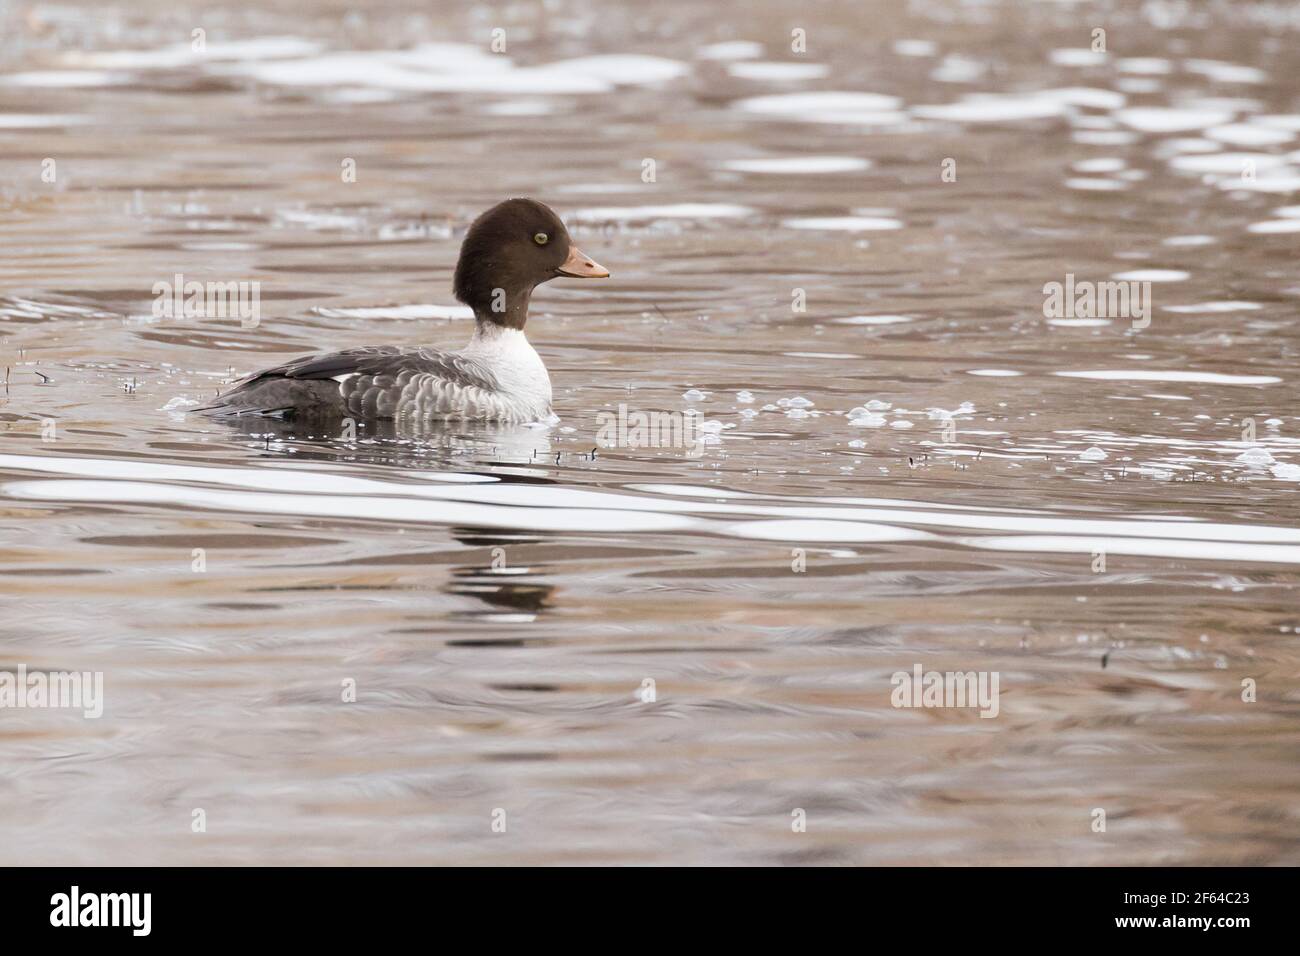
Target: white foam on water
(422,311)
(1077,56)
(831,106)
(1145,66)
(1256,457)
(1102,164)
(956,68)
(38,120)
(521,108)
(874,319)
(623,69)
(844,223)
(1163,119)
(313,219)
(1222,72)
(1099,137)
(686,210)
(1152,375)
(798,165)
(916,48)
(1095,184)
(419,511)
(1226,162)
(460,500)
(814,530)
(1217,306)
(1187,144)
(868,420)
(1202,551)
(604,189)
(457,67)
(183,54)
(778,72)
(730,50)
(1227,104)
(994,372)
(1152,275)
(1289,121)
(1138,85)
(273,479)
(359,94)
(1248,134)
(1090,97)
(1274,227)
(993,108)
(65,79)
(1284,179)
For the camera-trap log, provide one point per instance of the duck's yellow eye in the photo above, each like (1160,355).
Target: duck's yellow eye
(541,238)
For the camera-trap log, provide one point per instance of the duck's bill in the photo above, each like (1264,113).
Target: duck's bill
(579,265)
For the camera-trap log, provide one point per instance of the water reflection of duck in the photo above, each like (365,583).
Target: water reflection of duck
(498,377)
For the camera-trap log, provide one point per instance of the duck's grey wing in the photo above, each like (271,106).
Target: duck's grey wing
(375,382)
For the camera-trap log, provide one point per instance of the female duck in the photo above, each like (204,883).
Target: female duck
(509,250)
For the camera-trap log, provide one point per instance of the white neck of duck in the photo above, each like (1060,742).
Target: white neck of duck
(524,382)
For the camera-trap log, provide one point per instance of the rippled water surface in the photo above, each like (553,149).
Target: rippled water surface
(916,467)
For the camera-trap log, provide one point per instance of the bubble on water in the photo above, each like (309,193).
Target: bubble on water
(1093,454)
(744,396)
(695,395)
(867,420)
(900,423)
(1256,457)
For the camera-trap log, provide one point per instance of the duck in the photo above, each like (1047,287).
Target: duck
(498,377)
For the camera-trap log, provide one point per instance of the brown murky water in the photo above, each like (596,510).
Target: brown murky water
(501,599)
